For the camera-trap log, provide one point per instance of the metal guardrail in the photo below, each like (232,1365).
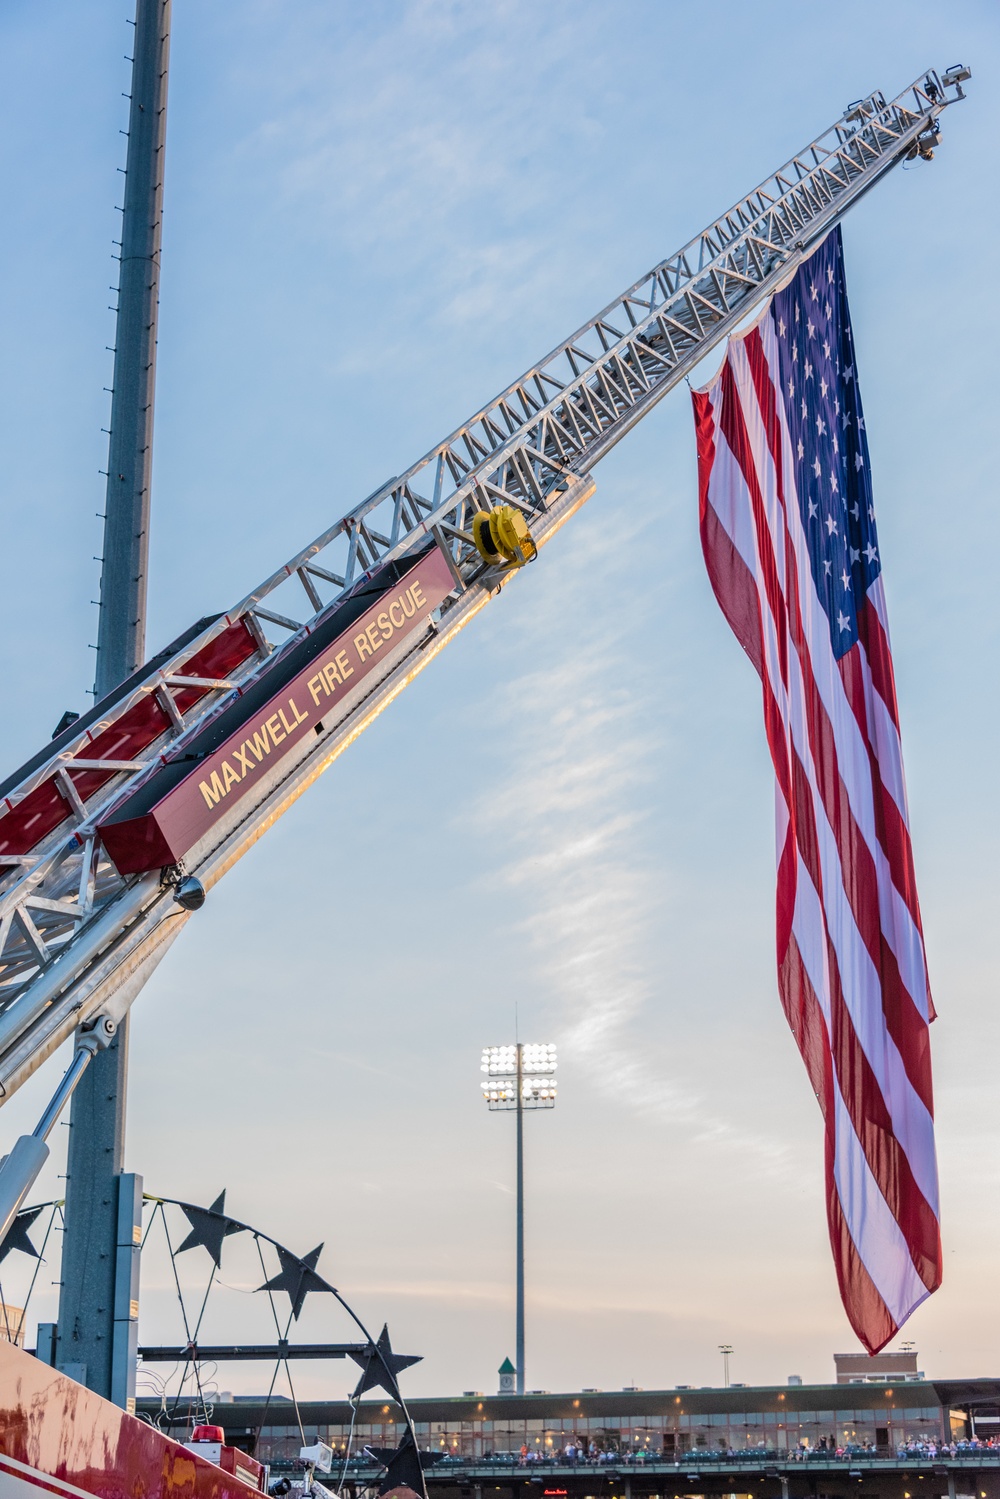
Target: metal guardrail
(770,1464)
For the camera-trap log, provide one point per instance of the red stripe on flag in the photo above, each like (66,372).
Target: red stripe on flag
(893,834)
(866,1311)
(732,583)
(876,644)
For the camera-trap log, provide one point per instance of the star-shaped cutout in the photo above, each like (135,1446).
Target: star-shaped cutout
(298,1277)
(791,389)
(811,329)
(849,372)
(820,426)
(827,566)
(802,451)
(845,578)
(817,467)
(829,274)
(843,621)
(829,313)
(870,552)
(813,511)
(17,1234)
(379,1366)
(833,483)
(782,330)
(809,371)
(823,388)
(826,348)
(209,1226)
(831,526)
(855,554)
(813,292)
(859,462)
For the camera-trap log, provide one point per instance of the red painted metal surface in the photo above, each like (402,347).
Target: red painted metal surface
(25,823)
(58,1438)
(173,806)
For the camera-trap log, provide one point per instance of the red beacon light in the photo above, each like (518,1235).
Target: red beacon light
(209,1444)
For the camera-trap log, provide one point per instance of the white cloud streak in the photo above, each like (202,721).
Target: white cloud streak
(584,763)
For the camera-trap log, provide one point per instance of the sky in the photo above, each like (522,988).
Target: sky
(376,216)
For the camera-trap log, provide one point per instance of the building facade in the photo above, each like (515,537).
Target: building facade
(657,1423)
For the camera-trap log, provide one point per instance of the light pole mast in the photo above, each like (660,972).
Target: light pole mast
(96,1337)
(519,1078)
(519,1316)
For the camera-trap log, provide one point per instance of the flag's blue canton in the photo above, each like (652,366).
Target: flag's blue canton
(819,386)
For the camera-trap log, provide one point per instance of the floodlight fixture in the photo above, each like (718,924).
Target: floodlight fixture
(519,1075)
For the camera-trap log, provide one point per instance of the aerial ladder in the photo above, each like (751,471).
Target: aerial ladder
(112,834)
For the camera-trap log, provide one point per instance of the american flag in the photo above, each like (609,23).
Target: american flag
(788,531)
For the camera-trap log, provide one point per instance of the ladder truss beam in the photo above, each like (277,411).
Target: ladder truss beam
(74,934)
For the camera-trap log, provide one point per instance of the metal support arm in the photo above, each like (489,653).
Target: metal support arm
(19,1170)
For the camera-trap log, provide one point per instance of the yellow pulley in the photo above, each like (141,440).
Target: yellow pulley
(502,537)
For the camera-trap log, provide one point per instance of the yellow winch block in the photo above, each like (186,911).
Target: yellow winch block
(502,537)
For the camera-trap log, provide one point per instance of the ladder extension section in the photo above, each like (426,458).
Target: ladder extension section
(97,829)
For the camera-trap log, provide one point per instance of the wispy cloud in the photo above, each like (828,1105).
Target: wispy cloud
(392,159)
(585,761)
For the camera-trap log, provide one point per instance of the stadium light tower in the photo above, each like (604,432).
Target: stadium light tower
(518,1078)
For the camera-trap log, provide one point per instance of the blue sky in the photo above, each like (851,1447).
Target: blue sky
(376,216)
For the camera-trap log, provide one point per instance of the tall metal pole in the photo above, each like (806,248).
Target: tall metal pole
(96,1337)
(122,630)
(519,1328)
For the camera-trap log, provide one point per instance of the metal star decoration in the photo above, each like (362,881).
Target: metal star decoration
(379,1366)
(298,1277)
(17,1235)
(404,1465)
(209,1226)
